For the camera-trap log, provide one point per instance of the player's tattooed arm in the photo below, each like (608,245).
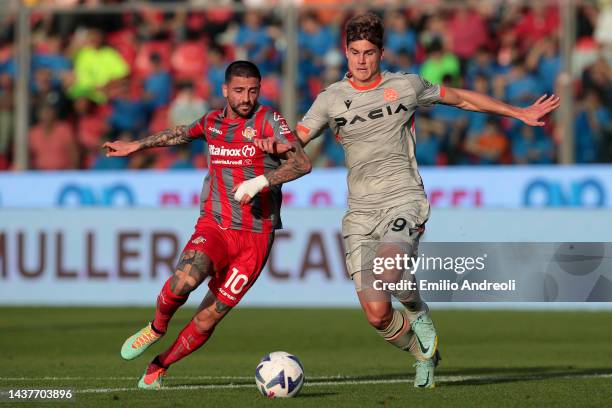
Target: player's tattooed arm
(296,165)
(169,137)
(192,269)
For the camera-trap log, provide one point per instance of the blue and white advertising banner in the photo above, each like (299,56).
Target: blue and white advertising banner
(123,256)
(447,187)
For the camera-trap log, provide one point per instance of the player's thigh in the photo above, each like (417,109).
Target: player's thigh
(358,232)
(205,252)
(248,258)
(401,228)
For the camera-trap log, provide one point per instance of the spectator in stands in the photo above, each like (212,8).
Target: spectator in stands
(439,64)
(187,106)
(403,62)
(47,92)
(95,65)
(489,146)
(52,143)
(49,55)
(482,64)
(592,129)
(215,75)
(539,21)
(467,32)
(427,146)
(90,128)
(531,146)
(314,42)
(158,85)
(522,88)
(182,160)
(545,60)
(254,40)
(399,38)
(476,120)
(129,113)
(598,77)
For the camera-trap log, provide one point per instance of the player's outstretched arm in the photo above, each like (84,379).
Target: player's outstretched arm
(474,101)
(296,165)
(169,137)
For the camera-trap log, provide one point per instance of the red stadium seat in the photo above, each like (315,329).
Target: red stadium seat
(189,60)
(125,43)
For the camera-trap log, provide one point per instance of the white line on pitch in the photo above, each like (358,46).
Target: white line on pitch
(311,383)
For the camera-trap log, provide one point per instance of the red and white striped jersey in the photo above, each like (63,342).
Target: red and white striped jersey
(233,158)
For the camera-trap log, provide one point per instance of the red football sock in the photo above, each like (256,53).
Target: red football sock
(167,304)
(188,341)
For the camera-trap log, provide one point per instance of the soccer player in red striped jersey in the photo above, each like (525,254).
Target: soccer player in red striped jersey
(235,231)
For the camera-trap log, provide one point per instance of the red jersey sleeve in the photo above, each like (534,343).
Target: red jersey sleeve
(276,126)
(196,129)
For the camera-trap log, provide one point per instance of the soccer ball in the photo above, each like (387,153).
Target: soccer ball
(279,375)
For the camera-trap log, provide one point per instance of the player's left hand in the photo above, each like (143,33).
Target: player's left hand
(246,190)
(531,115)
(271,146)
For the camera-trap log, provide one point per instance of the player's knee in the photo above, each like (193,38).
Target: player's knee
(379,317)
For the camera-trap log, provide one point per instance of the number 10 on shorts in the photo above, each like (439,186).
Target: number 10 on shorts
(236,281)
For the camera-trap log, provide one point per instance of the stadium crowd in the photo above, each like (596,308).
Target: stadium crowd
(101,76)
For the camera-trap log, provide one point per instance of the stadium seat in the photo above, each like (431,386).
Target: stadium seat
(188,60)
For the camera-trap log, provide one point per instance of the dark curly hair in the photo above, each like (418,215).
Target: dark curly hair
(365,27)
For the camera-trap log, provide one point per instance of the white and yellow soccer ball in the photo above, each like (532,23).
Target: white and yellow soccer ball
(279,375)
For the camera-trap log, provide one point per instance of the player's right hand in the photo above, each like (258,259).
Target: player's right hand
(119,148)
(272,146)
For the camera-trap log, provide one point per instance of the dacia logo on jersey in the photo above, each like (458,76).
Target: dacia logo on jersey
(249,133)
(371,115)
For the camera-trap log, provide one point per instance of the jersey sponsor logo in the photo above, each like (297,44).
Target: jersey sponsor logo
(216,131)
(249,133)
(374,114)
(276,116)
(248,151)
(390,95)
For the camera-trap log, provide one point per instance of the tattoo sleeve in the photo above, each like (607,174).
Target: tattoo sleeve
(296,165)
(170,137)
(221,307)
(192,269)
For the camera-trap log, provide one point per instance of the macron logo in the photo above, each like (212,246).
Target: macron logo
(214,130)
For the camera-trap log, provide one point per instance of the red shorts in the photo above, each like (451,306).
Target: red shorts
(238,257)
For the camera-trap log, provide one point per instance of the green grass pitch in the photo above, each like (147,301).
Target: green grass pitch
(490,358)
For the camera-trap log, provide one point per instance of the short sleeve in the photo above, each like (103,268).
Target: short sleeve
(317,117)
(196,129)
(276,126)
(427,94)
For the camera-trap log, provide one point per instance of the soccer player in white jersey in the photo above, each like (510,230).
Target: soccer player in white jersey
(372,115)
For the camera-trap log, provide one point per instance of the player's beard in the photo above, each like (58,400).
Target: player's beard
(238,109)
